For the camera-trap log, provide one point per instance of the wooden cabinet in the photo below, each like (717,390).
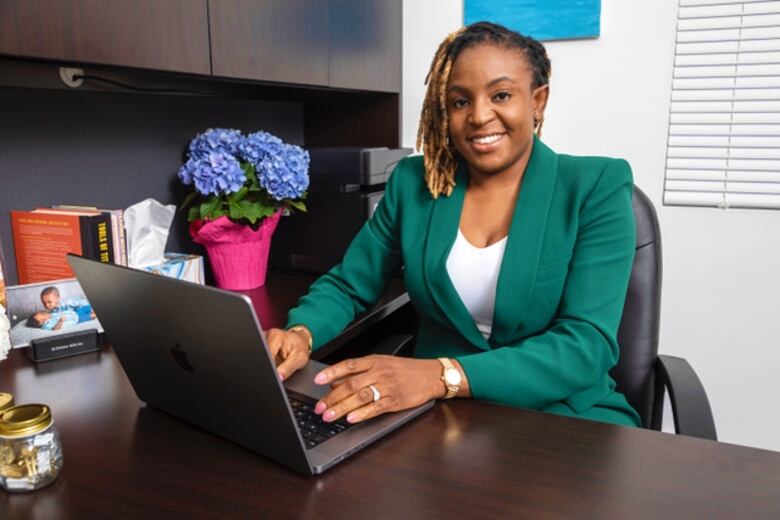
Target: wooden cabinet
(270,40)
(365,45)
(346,44)
(169,35)
(353,44)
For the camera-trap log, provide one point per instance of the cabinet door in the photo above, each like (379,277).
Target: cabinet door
(365,44)
(167,35)
(272,40)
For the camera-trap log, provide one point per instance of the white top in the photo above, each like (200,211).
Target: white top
(474,273)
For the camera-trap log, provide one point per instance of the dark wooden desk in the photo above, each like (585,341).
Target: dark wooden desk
(462,459)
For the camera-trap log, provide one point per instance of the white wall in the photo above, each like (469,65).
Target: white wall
(425,24)
(610,96)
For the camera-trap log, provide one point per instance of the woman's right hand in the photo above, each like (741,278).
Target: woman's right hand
(290,350)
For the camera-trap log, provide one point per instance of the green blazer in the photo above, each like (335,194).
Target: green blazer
(560,293)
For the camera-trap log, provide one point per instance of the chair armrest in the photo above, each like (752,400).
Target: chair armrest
(395,345)
(690,406)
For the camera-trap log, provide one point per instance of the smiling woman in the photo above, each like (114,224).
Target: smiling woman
(517,258)
(509,89)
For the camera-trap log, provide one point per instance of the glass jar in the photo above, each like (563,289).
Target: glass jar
(6,401)
(30,451)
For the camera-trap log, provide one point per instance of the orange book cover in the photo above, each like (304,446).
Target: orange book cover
(97,240)
(42,239)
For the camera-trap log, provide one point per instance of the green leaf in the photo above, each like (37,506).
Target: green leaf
(297,204)
(267,211)
(235,211)
(209,206)
(188,200)
(239,195)
(251,176)
(194,214)
(254,211)
(249,211)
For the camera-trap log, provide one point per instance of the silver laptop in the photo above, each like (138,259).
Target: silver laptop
(199,353)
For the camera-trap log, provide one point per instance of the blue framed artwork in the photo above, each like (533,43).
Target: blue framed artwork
(541,19)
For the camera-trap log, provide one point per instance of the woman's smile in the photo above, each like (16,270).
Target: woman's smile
(486,143)
(491,109)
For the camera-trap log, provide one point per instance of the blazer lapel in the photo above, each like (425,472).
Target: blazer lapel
(521,256)
(524,244)
(443,230)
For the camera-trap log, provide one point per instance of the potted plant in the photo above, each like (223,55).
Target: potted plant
(242,184)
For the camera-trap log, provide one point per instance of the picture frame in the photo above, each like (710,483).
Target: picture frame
(5,323)
(45,310)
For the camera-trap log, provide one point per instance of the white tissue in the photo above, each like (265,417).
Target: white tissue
(146,229)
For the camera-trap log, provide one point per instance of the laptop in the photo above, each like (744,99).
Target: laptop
(199,353)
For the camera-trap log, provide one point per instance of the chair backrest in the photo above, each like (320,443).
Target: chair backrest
(638,334)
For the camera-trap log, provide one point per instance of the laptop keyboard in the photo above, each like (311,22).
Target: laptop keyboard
(313,429)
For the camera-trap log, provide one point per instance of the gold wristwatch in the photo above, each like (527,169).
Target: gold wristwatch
(450,376)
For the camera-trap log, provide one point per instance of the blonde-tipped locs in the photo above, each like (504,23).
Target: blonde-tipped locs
(433,136)
(433,133)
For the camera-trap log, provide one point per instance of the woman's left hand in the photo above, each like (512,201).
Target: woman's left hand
(401,382)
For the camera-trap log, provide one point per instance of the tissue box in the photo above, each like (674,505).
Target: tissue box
(181,266)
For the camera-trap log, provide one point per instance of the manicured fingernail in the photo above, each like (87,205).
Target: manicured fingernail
(320,408)
(328,416)
(281,376)
(321,378)
(352,417)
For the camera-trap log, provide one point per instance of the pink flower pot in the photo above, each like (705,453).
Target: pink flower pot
(238,254)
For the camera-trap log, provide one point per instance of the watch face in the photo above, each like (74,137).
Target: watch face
(452,376)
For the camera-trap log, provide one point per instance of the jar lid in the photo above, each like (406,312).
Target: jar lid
(6,401)
(25,419)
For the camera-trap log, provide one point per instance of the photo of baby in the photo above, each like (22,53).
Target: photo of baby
(3,302)
(46,309)
(5,324)
(59,314)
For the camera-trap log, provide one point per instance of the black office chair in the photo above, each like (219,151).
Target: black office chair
(643,375)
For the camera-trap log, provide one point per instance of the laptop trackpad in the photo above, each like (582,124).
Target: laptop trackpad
(303,383)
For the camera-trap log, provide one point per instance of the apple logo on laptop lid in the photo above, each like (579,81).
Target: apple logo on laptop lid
(181,358)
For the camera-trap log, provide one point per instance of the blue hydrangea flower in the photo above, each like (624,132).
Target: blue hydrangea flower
(215,174)
(216,140)
(283,172)
(187,171)
(255,147)
(216,156)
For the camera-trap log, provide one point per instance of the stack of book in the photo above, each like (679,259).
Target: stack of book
(43,236)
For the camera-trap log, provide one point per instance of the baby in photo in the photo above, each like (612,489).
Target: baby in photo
(60,313)
(44,310)
(5,323)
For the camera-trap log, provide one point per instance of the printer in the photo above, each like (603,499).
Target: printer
(346,185)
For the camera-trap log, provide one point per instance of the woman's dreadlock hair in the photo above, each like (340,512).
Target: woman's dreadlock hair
(433,133)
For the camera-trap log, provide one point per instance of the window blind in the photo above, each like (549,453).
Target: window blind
(724,124)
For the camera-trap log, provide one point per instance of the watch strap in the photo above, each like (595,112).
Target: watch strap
(447,364)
